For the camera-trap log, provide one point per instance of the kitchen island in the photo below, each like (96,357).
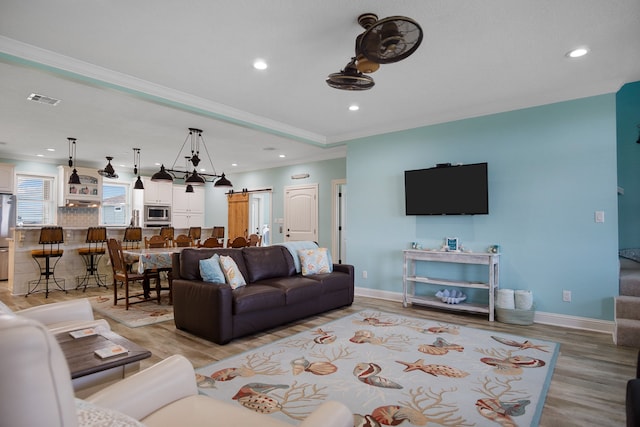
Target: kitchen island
(23,269)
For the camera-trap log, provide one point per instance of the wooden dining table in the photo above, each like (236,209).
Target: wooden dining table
(158,259)
(152,260)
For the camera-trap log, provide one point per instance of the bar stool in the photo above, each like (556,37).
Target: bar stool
(132,240)
(50,239)
(96,239)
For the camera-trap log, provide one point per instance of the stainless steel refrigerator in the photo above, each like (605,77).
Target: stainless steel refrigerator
(7,222)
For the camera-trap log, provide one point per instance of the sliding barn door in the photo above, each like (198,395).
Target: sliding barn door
(238,217)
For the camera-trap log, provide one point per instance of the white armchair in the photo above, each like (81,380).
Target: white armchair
(64,316)
(36,389)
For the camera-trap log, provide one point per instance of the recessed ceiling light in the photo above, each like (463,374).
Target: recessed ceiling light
(282,156)
(353,107)
(259,64)
(578,52)
(234,164)
(51,149)
(39,155)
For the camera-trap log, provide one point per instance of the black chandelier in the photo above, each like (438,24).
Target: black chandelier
(195,177)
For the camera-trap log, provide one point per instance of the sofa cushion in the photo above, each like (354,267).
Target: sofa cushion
(231,272)
(332,282)
(314,261)
(254,297)
(210,270)
(266,262)
(190,261)
(297,289)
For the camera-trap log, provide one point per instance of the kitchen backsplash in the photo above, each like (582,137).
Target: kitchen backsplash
(78,217)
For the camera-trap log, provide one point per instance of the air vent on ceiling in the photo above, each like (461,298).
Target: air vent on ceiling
(43,99)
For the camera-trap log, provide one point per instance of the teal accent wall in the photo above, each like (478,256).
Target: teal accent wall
(628,120)
(321,173)
(550,168)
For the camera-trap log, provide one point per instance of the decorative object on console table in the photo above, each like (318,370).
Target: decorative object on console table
(451,244)
(410,279)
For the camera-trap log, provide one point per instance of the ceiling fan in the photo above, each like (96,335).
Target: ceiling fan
(384,41)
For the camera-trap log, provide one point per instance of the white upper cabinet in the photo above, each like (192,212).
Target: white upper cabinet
(157,192)
(188,208)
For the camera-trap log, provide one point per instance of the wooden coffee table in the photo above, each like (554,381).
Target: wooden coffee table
(89,372)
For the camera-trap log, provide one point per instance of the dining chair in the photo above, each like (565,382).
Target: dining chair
(218,232)
(211,242)
(183,241)
(254,240)
(195,233)
(167,233)
(122,275)
(156,241)
(238,242)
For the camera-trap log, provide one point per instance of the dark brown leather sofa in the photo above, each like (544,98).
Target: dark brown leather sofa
(275,293)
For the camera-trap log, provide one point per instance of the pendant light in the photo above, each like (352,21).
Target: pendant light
(73,178)
(136,161)
(192,178)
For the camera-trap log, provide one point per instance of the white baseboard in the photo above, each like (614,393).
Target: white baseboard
(544,318)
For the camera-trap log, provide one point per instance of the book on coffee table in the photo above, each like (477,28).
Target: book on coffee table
(110,351)
(83,333)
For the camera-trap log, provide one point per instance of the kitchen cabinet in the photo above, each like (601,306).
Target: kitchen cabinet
(88,191)
(157,192)
(6,178)
(188,208)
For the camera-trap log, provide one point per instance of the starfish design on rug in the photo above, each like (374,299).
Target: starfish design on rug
(434,370)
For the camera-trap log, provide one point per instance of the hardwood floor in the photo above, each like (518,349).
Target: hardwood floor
(587,388)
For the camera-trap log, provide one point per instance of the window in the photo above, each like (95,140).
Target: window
(115,204)
(35,200)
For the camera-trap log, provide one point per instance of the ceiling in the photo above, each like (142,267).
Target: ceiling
(139,74)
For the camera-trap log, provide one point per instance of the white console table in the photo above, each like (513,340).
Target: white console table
(409,279)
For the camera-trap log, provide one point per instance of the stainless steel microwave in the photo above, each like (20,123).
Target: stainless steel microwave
(157,214)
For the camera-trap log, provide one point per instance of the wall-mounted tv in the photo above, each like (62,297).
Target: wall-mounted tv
(447,190)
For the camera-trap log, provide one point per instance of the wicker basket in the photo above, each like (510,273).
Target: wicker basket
(515,316)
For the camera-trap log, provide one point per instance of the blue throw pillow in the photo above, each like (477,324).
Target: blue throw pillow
(210,270)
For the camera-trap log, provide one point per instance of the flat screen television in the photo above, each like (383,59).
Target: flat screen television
(447,190)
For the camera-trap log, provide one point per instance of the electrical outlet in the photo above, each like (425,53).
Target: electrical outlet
(566,296)
(599,216)
(364,274)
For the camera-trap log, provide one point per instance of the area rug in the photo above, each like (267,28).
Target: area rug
(139,314)
(391,370)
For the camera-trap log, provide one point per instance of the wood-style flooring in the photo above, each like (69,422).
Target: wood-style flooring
(587,388)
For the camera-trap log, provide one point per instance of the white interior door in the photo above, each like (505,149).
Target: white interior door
(301,213)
